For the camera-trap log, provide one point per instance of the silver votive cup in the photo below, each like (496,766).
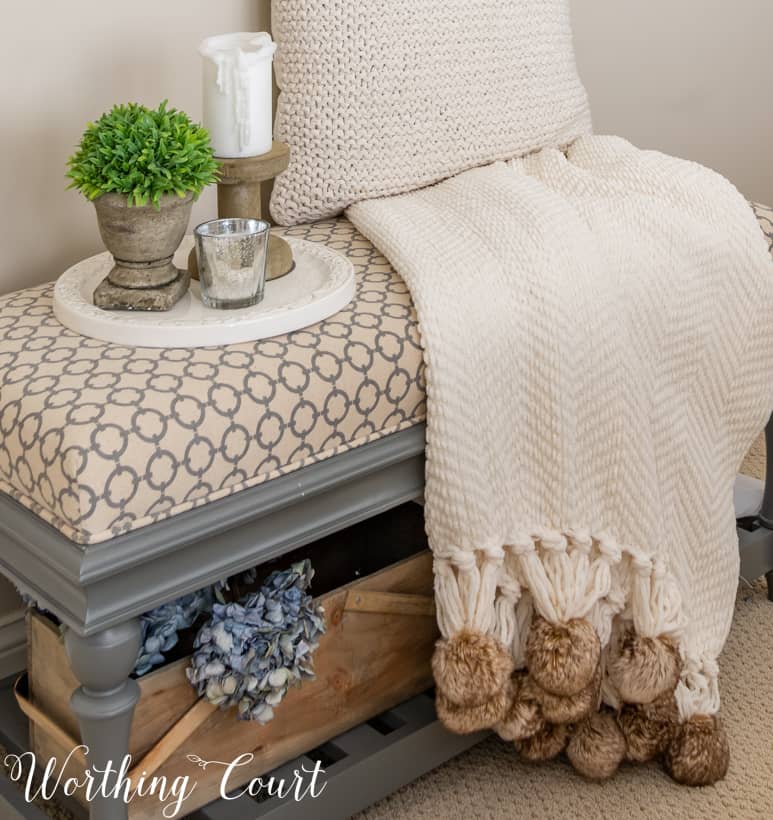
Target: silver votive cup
(231,254)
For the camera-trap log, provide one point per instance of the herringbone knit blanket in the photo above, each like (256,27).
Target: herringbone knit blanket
(590,399)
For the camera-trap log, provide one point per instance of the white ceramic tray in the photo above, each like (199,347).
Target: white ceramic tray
(321,284)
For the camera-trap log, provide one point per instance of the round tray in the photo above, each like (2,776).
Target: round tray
(321,284)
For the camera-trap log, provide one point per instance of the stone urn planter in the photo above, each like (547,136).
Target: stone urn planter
(142,240)
(133,163)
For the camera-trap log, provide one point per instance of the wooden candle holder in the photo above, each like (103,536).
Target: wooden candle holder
(239,196)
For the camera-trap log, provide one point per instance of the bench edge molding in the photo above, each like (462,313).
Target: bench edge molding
(91,588)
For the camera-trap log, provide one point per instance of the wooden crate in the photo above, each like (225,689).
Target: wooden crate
(375,654)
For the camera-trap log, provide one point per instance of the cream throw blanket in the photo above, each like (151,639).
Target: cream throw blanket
(585,317)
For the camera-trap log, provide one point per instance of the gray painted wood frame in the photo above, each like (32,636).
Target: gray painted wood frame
(92,588)
(99,591)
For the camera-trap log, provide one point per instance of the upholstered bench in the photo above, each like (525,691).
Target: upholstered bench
(130,476)
(99,440)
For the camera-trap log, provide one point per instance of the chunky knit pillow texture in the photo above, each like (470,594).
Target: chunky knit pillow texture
(379,98)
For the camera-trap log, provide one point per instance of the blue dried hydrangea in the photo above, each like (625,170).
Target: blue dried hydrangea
(162,625)
(249,653)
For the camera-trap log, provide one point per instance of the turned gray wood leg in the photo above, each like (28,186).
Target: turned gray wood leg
(104,704)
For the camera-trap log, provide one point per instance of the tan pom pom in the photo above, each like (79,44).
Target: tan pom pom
(464,720)
(699,753)
(471,668)
(663,708)
(647,730)
(545,744)
(597,746)
(570,708)
(643,668)
(523,717)
(562,658)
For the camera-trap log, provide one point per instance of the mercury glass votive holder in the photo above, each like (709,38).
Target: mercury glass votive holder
(232,254)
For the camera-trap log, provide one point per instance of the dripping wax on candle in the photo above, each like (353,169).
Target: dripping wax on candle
(237,93)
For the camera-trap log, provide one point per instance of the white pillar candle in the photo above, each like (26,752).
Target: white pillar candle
(238,93)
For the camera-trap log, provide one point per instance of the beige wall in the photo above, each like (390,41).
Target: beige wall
(689,77)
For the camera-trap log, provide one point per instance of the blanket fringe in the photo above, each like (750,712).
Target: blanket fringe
(541,634)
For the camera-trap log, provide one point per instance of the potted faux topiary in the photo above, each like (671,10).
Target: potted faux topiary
(143,169)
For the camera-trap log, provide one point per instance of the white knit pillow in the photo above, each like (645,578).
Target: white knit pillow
(381,97)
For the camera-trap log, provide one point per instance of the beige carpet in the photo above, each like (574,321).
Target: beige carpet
(489,782)
(754,463)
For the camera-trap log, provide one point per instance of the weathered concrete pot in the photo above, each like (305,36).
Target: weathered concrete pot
(142,239)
